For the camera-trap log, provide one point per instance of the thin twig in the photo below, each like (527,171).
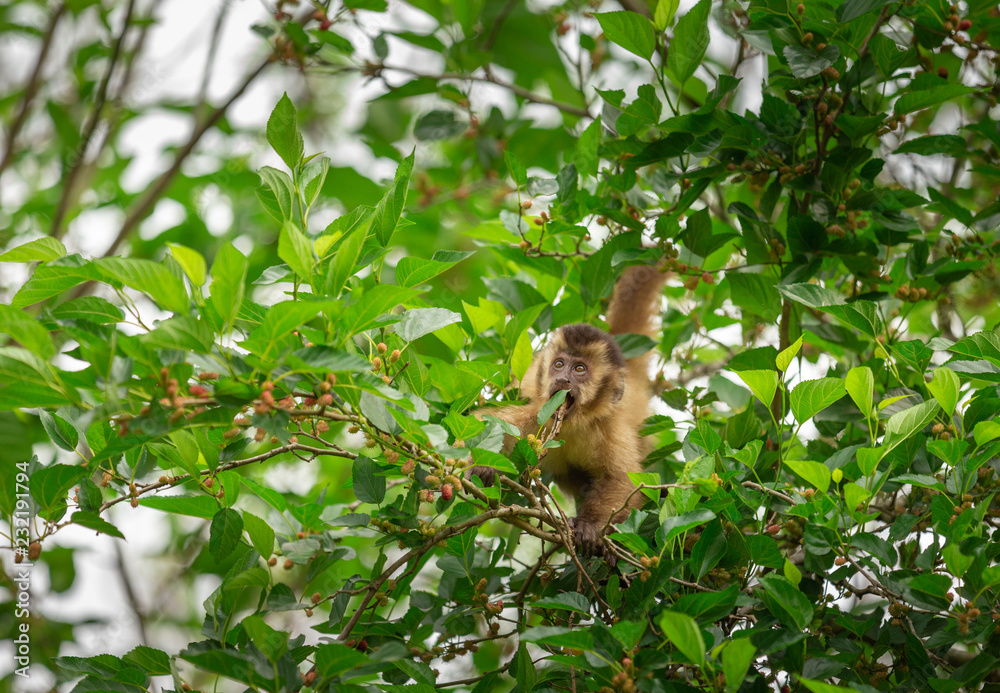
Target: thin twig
(765,489)
(289,447)
(525,94)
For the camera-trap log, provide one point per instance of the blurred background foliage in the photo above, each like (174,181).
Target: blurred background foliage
(759,148)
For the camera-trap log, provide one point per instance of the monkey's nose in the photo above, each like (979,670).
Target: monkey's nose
(562,384)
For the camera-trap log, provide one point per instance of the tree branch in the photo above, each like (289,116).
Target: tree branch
(80,155)
(31,88)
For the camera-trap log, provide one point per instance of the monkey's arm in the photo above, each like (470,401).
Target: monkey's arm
(598,500)
(523,416)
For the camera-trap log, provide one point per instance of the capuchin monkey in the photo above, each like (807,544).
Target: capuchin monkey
(606,403)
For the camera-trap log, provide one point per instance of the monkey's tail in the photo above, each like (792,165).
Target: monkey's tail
(636,300)
(634,304)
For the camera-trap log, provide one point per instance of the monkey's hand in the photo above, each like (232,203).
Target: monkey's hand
(487,474)
(588,536)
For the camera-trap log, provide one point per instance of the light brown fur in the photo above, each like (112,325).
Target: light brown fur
(600,434)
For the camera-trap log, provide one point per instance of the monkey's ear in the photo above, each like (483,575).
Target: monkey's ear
(620,390)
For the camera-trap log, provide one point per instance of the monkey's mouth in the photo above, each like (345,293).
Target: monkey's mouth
(567,406)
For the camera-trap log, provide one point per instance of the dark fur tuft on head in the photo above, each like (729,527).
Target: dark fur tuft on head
(580,335)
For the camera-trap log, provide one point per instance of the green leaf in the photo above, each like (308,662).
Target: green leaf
(55,277)
(154,662)
(182,333)
(706,437)
(260,533)
(89,496)
(90,308)
(784,359)
(418,671)
(813,396)
(764,551)
(806,61)
(754,294)
(985,431)
(438,125)
(737,656)
(932,145)
(631,31)
(524,668)
(50,485)
(24,328)
(852,9)
(909,422)
(225,533)
(785,601)
(549,408)
(862,315)
(270,642)
(860,384)
(487,458)
(229,275)
(151,278)
(664,14)
(792,572)
(587,146)
(763,384)
(708,550)
(364,313)
(60,432)
(868,459)
(648,478)
(191,261)
(413,271)
(521,359)
(556,636)
(342,267)
(296,250)
(314,176)
(333,659)
(683,633)
(926,98)
(628,633)
(27,380)
(390,207)
(922,480)
(687,49)
(283,133)
(570,601)
(38,250)
(877,547)
(96,523)
(418,322)
(678,524)
(815,473)
(811,295)
(368,487)
(517,170)
(944,388)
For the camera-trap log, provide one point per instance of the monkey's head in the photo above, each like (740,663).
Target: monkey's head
(588,363)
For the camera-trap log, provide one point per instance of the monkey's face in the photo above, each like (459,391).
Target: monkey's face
(588,364)
(572,373)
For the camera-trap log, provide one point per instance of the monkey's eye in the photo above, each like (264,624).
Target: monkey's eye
(559,363)
(580,368)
